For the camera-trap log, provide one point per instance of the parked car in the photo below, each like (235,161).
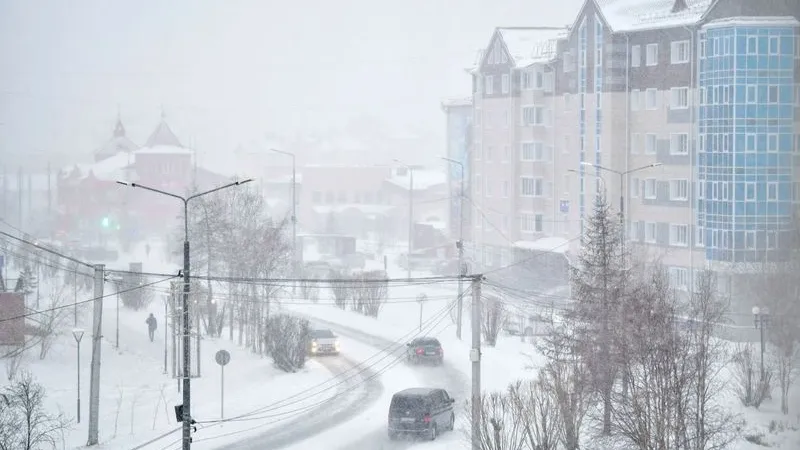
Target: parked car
(323,342)
(424,350)
(421,412)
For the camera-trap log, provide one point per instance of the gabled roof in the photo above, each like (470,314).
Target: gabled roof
(163,136)
(119,143)
(528,46)
(637,15)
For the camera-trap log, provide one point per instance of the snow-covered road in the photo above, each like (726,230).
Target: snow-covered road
(370,432)
(358,390)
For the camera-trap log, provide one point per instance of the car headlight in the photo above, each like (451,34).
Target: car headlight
(336,345)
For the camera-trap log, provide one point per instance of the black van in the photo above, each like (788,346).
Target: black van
(421,412)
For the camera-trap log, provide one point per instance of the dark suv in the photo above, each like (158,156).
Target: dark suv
(424,349)
(421,412)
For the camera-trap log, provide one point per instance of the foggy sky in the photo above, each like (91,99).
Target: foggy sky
(228,71)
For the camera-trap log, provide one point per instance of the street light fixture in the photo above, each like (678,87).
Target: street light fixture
(294,215)
(410,213)
(187,418)
(599,178)
(761,321)
(460,245)
(77,333)
(621,178)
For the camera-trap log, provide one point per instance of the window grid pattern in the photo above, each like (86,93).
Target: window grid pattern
(746,126)
(582,50)
(598,89)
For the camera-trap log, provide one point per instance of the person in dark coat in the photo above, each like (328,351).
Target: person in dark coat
(152,324)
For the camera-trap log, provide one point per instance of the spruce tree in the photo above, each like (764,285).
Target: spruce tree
(598,291)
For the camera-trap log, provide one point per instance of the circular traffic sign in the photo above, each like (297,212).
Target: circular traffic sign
(222,357)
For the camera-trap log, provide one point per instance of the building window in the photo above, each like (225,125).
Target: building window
(636,143)
(650,232)
(650,143)
(526,80)
(772,191)
(679,190)
(531,187)
(749,191)
(487,191)
(505,188)
(477,184)
(651,99)
(488,85)
(702,48)
(531,223)
(535,151)
(750,240)
(700,237)
(636,56)
(679,278)
(772,142)
(569,62)
(635,99)
(532,115)
(679,52)
(504,83)
(651,57)
(679,235)
(749,143)
(679,98)
(488,152)
(634,188)
(538,83)
(774,49)
(752,45)
(679,144)
(772,94)
(506,153)
(650,188)
(751,94)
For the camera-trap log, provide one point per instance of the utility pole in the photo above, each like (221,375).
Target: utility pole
(460,246)
(97,339)
(294,217)
(475,358)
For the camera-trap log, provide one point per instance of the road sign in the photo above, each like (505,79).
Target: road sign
(222,357)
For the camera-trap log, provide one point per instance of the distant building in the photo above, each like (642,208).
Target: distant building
(459,114)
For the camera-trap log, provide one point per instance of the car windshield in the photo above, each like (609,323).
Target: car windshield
(322,334)
(408,404)
(429,341)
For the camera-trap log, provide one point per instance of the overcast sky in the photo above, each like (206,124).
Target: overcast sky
(229,70)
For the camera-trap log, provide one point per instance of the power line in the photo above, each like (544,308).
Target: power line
(47,249)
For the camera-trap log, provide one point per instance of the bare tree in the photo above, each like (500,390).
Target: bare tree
(370,291)
(500,426)
(750,388)
(36,428)
(535,405)
(342,290)
(309,290)
(13,362)
(52,319)
(494,318)
(287,341)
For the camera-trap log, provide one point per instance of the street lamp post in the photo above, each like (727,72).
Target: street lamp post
(77,333)
(460,245)
(622,175)
(410,213)
(294,216)
(187,418)
(761,321)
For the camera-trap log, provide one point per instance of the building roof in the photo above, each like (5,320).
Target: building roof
(553,244)
(788,21)
(423,179)
(164,150)
(528,46)
(113,168)
(119,142)
(636,15)
(163,136)
(456,102)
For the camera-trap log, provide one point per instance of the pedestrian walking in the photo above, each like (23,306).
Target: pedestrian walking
(152,324)
(147,250)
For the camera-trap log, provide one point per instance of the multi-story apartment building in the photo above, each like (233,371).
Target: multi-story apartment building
(685,110)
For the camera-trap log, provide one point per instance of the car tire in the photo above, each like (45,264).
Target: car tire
(452,425)
(432,433)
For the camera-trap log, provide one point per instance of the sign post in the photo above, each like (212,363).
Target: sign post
(222,358)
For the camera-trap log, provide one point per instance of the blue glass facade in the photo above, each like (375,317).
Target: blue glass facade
(598,89)
(746,115)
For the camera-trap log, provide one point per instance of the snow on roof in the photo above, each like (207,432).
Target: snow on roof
(549,244)
(530,45)
(364,208)
(116,145)
(163,136)
(635,15)
(164,150)
(423,179)
(109,169)
(787,21)
(456,102)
